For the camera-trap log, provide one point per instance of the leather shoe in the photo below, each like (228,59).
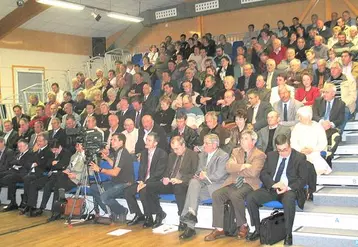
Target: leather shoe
(148,222)
(137,218)
(10,207)
(253,236)
(214,235)
(36,212)
(182,226)
(288,240)
(188,233)
(190,217)
(243,231)
(24,210)
(158,219)
(54,217)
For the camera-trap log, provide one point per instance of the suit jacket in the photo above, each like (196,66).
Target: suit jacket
(241,82)
(228,113)
(106,133)
(163,141)
(83,117)
(151,103)
(130,113)
(337,111)
(48,121)
(63,159)
(264,94)
(292,117)
(76,167)
(326,75)
(143,112)
(261,116)
(33,140)
(44,159)
(12,139)
(188,167)
(221,132)
(165,119)
(6,158)
(263,136)
(229,70)
(274,78)
(157,166)
(255,158)
(215,169)
(210,104)
(15,123)
(296,173)
(60,136)
(25,163)
(27,136)
(190,136)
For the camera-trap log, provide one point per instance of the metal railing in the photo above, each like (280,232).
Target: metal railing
(116,54)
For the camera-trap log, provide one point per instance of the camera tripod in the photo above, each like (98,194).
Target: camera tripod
(82,190)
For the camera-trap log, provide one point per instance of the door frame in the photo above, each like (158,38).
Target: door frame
(22,68)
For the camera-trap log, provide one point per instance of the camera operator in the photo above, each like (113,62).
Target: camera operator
(72,132)
(122,177)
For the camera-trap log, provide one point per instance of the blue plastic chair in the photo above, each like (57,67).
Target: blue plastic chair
(137,59)
(207,202)
(235,45)
(167,197)
(276,204)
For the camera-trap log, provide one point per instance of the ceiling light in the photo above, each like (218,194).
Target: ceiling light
(62,4)
(97,17)
(125,17)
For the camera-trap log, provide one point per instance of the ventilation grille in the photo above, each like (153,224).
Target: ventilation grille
(165,13)
(200,7)
(250,1)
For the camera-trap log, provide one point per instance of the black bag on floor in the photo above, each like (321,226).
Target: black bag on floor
(272,228)
(230,227)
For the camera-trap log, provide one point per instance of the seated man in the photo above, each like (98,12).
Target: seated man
(280,183)
(6,156)
(257,112)
(195,114)
(244,167)
(190,135)
(19,167)
(122,177)
(287,107)
(266,136)
(182,164)
(210,176)
(230,107)
(281,79)
(68,108)
(263,91)
(9,134)
(131,134)
(153,162)
(17,109)
(40,116)
(57,132)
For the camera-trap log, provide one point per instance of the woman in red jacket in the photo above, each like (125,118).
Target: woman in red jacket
(308,93)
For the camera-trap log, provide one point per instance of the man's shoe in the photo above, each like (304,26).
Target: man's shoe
(214,235)
(182,226)
(24,210)
(288,240)
(137,218)
(148,222)
(158,219)
(10,207)
(36,212)
(253,236)
(122,218)
(243,231)
(190,217)
(22,205)
(188,233)
(54,217)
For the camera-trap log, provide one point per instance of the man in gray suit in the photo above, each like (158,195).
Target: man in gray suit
(210,176)
(271,74)
(257,112)
(287,107)
(267,135)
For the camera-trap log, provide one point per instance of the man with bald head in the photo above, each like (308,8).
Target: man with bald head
(320,49)
(248,80)
(149,126)
(131,133)
(267,135)
(279,52)
(284,65)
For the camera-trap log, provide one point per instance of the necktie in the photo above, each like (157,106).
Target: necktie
(137,119)
(148,168)
(176,167)
(0,154)
(240,179)
(328,111)
(280,170)
(21,154)
(284,112)
(54,133)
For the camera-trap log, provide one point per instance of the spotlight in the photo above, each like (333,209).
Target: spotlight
(97,17)
(20,3)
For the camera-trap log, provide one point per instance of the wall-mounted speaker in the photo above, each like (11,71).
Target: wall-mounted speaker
(98,46)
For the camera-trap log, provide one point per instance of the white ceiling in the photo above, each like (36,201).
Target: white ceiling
(83,24)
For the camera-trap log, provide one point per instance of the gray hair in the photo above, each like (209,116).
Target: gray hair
(305,111)
(251,133)
(213,139)
(212,114)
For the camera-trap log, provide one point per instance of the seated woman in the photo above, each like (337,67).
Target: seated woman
(308,93)
(309,138)
(235,133)
(164,117)
(112,100)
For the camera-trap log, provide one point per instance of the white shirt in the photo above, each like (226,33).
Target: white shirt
(110,135)
(7,135)
(284,178)
(131,140)
(150,157)
(210,155)
(113,82)
(269,80)
(146,132)
(131,71)
(274,94)
(347,70)
(59,96)
(256,108)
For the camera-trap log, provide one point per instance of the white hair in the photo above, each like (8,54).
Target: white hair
(305,111)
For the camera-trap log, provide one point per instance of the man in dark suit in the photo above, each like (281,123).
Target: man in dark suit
(18,115)
(153,162)
(139,112)
(284,177)
(122,176)
(267,135)
(54,114)
(148,127)
(150,101)
(230,107)
(248,80)
(321,74)
(20,166)
(210,176)
(10,135)
(257,112)
(190,135)
(90,107)
(57,132)
(182,165)
(208,95)
(124,112)
(24,130)
(6,156)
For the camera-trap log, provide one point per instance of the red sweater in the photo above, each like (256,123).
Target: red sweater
(279,56)
(310,95)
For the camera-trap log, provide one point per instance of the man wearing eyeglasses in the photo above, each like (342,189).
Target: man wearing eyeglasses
(284,177)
